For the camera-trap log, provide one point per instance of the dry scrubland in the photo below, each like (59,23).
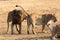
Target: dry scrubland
(36,8)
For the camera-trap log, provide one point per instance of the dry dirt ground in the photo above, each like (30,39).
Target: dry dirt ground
(36,8)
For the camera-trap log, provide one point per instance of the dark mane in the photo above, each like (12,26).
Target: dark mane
(14,16)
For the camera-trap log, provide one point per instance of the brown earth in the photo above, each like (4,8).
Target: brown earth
(36,8)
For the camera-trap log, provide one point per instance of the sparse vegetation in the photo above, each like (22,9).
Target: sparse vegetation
(38,7)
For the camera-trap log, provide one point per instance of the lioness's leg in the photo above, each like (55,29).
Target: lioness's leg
(12,25)
(20,28)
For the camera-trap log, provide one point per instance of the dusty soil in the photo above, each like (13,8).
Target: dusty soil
(36,8)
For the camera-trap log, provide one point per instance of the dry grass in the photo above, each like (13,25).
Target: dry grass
(35,7)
